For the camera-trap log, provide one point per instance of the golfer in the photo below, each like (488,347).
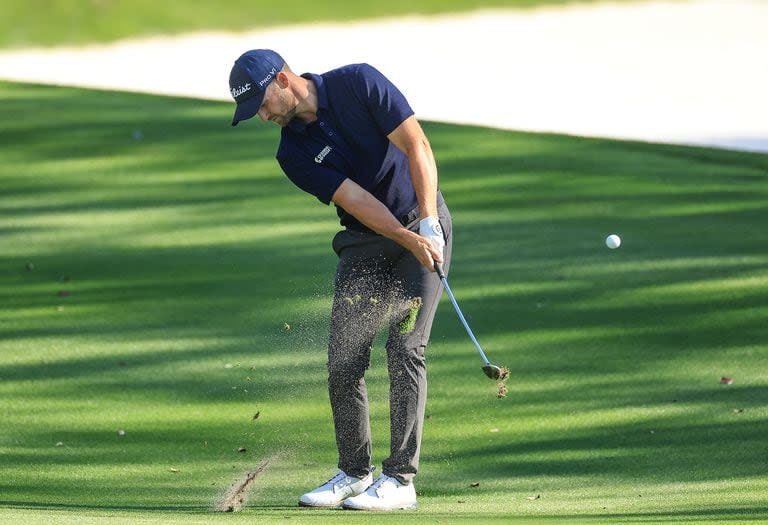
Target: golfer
(350,138)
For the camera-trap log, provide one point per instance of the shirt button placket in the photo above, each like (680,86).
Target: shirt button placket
(328,131)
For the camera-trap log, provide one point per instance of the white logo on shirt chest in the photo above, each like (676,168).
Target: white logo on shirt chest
(324,153)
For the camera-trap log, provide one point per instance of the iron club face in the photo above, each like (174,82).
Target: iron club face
(494,372)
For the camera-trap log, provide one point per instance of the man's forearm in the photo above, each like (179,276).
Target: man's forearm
(424,179)
(411,140)
(370,211)
(366,208)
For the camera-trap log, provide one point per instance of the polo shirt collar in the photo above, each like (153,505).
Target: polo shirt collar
(299,125)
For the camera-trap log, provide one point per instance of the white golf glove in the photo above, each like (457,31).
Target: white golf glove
(430,228)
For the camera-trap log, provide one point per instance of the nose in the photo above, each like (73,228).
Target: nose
(263,115)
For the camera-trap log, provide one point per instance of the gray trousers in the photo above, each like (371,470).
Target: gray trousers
(380,283)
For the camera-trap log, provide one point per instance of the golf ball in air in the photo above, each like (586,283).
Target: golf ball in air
(613,241)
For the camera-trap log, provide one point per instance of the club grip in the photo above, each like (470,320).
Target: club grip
(439,270)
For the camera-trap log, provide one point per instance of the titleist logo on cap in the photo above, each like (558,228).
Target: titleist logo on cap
(236,92)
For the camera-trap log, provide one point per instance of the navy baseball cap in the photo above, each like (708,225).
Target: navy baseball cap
(249,78)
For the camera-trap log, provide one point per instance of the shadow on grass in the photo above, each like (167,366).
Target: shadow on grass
(179,245)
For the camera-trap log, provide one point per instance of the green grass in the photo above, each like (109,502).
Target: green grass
(151,255)
(52,22)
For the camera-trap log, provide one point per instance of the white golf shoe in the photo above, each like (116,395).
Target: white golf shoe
(335,490)
(386,493)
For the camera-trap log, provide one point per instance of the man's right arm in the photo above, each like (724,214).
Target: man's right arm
(370,211)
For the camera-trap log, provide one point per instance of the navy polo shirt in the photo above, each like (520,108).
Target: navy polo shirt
(357,108)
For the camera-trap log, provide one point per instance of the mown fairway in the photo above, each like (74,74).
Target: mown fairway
(160,276)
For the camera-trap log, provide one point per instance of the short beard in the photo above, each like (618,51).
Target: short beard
(284,120)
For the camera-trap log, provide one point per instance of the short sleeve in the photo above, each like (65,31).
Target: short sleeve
(320,181)
(385,103)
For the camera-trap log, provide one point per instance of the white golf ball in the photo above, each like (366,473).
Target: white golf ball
(613,241)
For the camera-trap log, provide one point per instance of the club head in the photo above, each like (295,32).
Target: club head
(494,372)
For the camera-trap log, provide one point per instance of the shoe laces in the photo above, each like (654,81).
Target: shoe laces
(383,479)
(341,476)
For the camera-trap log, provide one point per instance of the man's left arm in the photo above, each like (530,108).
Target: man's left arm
(411,140)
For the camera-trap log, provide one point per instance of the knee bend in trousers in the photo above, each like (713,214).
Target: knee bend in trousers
(346,372)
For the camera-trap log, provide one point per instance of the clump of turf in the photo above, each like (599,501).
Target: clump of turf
(353,299)
(409,324)
(502,390)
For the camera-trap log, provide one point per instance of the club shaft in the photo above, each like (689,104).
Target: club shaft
(461,316)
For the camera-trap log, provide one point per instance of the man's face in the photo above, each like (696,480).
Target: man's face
(278,106)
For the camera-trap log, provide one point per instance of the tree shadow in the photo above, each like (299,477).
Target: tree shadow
(162,239)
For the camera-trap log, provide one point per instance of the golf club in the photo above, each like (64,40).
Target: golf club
(491,370)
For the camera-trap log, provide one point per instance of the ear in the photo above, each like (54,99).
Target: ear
(282,79)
